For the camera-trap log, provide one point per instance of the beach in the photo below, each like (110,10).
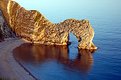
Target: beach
(9,68)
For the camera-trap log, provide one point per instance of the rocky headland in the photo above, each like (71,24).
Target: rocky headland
(32,26)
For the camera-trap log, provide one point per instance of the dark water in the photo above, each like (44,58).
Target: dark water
(67,63)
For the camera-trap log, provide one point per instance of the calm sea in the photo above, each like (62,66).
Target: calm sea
(67,63)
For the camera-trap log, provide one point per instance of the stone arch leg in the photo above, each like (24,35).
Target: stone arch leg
(86,42)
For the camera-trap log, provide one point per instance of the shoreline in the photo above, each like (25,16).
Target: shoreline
(10,68)
(24,68)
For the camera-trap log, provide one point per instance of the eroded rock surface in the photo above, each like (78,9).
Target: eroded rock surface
(34,27)
(5,30)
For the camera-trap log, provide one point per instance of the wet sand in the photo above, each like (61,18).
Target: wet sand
(9,67)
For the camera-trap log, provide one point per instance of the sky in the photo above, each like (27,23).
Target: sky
(58,10)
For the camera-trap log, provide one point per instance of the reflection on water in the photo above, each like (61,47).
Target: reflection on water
(40,54)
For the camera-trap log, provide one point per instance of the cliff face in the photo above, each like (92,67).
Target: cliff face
(34,27)
(5,30)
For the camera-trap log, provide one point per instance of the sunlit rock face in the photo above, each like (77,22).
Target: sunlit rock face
(34,27)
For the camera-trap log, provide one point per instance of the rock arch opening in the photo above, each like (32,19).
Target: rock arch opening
(73,41)
(73,47)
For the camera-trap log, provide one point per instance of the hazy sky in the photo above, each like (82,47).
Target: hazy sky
(55,9)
